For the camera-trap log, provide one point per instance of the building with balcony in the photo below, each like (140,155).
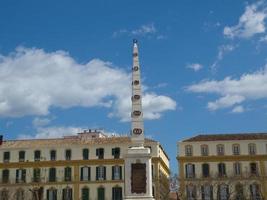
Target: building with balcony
(223,166)
(89,165)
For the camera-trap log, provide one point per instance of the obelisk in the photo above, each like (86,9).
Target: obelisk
(138,176)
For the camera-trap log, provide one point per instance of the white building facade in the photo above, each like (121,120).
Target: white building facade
(87,166)
(225,166)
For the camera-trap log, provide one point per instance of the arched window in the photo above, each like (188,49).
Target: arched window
(4,195)
(191,192)
(188,150)
(223,192)
(252,149)
(117,193)
(204,150)
(239,191)
(205,170)
(255,192)
(20,194)
(236,149)
(220,149)
(206,192)
(101,193)
(85,193)
(51,194)
(67,193)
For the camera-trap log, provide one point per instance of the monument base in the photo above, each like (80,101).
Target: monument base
(138,174)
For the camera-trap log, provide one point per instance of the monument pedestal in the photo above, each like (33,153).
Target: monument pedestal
(138,174)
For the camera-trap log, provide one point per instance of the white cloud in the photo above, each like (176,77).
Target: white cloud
(250,23)
(144,29)
(263,39)
(52,132)
(32,81)
(194,66)
(232,91)
(38,122)
(222,50)
(238,109)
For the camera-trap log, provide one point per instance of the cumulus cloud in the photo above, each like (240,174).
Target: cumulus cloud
(144,29)
(38,122)
(194,66)
(233,92)
(251,22)
(32,81)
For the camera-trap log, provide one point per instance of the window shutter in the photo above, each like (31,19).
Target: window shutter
(23,176)
(81,174)
(47,194)
(97,173)
(55,194)
(120,172)
(193,170)
(17,175)
(113,171)
(97,152)
(89,173)
(211,192)
(104,173)
(113,151)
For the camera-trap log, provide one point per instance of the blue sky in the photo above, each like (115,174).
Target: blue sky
(65,66)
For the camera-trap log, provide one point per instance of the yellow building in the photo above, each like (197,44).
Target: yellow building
(223,166)
(87,166)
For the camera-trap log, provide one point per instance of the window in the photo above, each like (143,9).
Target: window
(188,150)
(36,175)
(236,149)
(223,192)
(191,192)
(116,152)
(52,174)
(205,170)
(51,194)
(20,194)
(204,150)
(85,154)
(67,193)
(21,156)
(6,156)
(85,173)
(100,193)
(190,170)
(221,169)
(253,169)
(116,193)
(68,154)
(67,174)
(20,175)
(255,192)
(239,192)
(100,153)
(4,195)
(37,193)
(237,169)
(85,193)
(116,172)
(252,149)
(5,176)
(220,149)
(53,155)
(206,192)
(37,155)
(100,173)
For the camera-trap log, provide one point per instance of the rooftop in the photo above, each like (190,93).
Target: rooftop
(235,136)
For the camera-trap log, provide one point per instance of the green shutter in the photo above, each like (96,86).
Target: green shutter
(97,173)
(120,172)
(104,173)
(81,178)
(113,171)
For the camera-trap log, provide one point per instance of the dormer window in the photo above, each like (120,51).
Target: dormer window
(220,149)
(236,149)
(188,150)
